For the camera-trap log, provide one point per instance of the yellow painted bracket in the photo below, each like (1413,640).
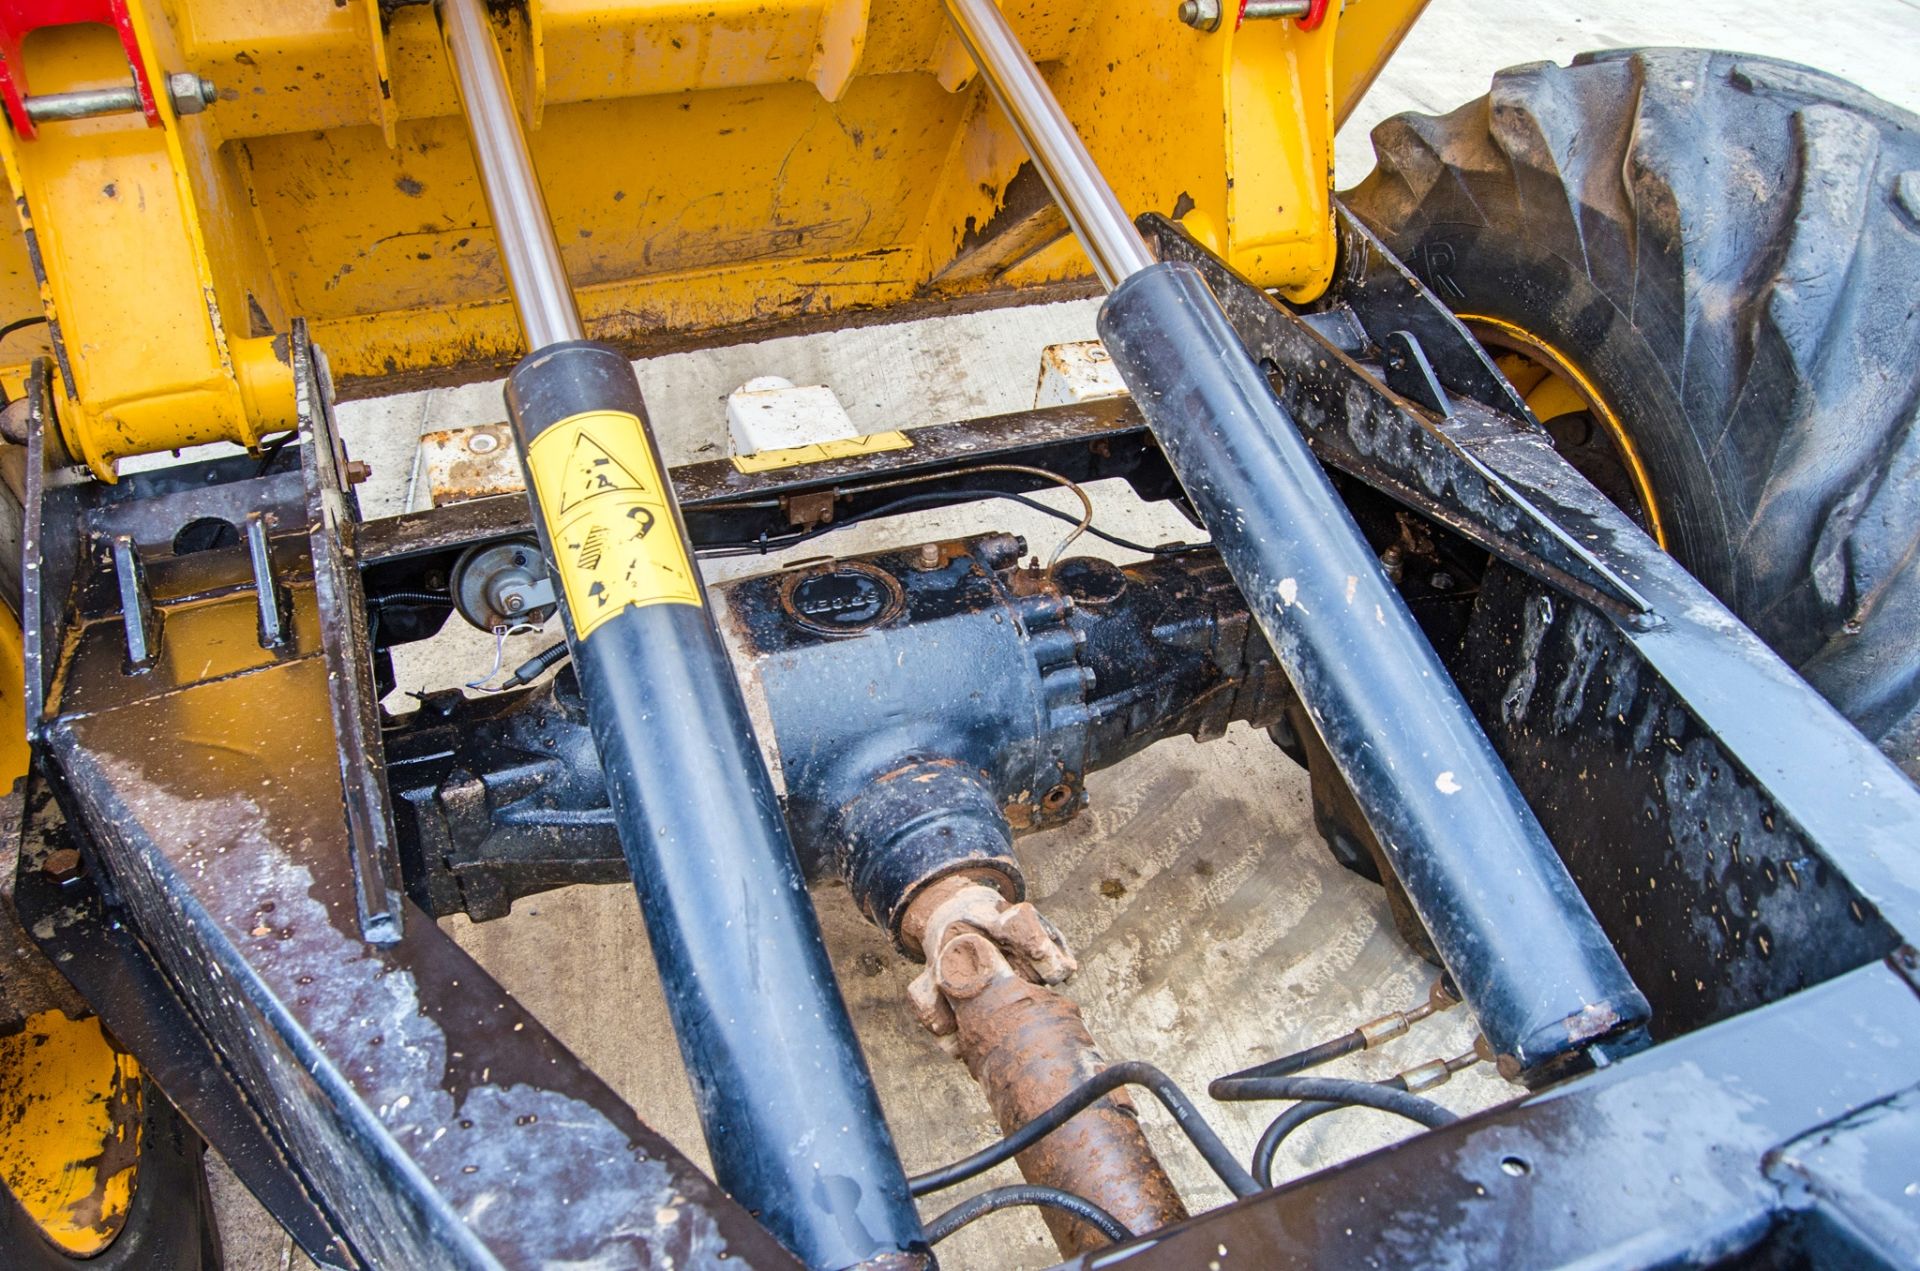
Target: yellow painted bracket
(1228,131)
(115,228)
(821,452)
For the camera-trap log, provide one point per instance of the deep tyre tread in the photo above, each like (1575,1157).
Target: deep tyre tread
(1729,246)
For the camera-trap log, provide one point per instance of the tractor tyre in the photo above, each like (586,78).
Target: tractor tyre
(1712,262)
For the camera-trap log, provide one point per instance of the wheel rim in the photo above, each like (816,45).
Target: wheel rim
(70,1130)
(1560,395)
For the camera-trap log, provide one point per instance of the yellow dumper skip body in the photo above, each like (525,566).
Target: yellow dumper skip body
(715,170)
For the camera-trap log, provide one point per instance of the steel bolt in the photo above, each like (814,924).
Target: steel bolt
(190,93)
(930,556)
(1275,9)
(1201,15)
(515,602)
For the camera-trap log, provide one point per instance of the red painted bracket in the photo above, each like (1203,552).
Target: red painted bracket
(20,18)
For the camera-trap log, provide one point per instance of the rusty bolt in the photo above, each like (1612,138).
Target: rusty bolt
(357,471)
(930,556)
(968,964)
(62,864)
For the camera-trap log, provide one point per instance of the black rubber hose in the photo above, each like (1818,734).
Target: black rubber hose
(999,1198)
(1385,1097)
(1132,1072)
(1276,1133)
(1292,1119)
(1298,1061)
(1320,1095)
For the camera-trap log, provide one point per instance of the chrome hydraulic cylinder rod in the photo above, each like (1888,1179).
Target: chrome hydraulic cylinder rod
(1524,948)
(1099,222)
(788,1106)
(529,249)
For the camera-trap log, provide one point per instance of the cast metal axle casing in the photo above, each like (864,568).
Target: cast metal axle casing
(1009,682)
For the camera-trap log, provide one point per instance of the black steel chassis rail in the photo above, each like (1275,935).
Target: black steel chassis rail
(1093,441)
(1784,1136)
(426,1119)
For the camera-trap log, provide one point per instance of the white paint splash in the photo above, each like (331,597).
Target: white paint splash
(1446,784)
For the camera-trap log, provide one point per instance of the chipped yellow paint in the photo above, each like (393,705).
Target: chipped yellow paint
(69,1129)
(711,165)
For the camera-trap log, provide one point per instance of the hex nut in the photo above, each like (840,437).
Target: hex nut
(189,93)
(1201,15)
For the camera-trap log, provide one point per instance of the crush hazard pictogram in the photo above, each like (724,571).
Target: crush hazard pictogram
(615,542)
(592,471)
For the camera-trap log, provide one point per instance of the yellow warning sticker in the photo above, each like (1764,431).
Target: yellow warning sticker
(614,537)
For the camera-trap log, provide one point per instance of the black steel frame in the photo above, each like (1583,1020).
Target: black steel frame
(240,924)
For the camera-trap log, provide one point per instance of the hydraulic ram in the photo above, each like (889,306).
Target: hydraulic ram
(1524,948)
(785,1098)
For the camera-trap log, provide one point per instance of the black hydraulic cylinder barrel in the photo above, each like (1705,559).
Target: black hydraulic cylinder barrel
(1524,948)
(791,1117)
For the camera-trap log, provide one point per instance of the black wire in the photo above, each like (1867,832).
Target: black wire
(1038,506)
(1132,1072)
(536,666)
(1299,1060)
(21,324)
(765,544)
(270,451)
(999,1198)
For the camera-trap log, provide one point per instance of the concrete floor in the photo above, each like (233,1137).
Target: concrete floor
(1212,928)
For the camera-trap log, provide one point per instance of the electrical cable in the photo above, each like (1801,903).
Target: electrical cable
(1086,501)
(21,324)
(989,1202)
(537,665)
(1132,1072)
(271,451)
(922,500)
(765,545)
